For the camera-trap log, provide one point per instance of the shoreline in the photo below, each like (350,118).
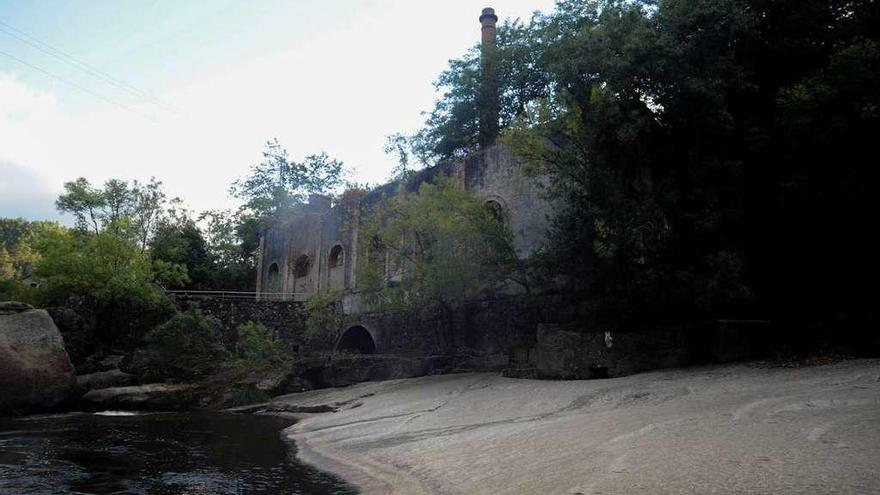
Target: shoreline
(732,429)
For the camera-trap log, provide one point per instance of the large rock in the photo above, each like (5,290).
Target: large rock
(104,379)
(101,362)
(35,370)
(13,307)
(152,397)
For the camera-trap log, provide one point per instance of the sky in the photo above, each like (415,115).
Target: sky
(189,92)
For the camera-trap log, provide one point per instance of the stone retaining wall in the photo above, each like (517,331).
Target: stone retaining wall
(285,317)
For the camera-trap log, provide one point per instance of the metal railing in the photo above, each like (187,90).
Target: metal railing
(237,294)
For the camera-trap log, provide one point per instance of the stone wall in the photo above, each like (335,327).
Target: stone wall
(312,230)
(497,175)
(285,317)
(506,334)
(483,332)
(566,353)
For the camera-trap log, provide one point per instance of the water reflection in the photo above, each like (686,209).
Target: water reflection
(154,454)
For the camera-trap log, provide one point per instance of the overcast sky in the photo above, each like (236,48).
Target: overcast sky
(190,91)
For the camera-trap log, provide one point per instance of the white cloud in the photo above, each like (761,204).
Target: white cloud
(24,193)
(341,92)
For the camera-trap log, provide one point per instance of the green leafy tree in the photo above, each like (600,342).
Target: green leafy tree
(102,266)
(400,146)
(279,183)
(84,202)
(233,240)
(704,154)
(323,319)
(128,209)
(179,242)
(452,126)
(185,347)
(18,256)
(429,253)
(259,346)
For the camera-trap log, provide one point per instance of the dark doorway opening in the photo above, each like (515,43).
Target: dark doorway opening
(357,339)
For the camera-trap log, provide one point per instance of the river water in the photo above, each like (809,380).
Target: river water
(154,454)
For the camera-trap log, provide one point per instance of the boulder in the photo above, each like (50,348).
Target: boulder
(104,379)
(35,370)
(101,362)
(13,307)
(150,397)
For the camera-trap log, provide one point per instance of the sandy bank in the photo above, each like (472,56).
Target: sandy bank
(715,430)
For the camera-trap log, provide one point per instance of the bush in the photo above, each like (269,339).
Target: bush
(322,319)
(258,346)
(245,395)
(184,347)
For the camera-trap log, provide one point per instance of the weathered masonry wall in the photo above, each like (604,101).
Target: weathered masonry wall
(285,317)
(313,248)
(563,352)
(497,176)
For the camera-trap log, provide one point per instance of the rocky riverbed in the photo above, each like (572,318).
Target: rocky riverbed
(709,430)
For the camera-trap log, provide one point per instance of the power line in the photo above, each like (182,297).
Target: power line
(75,85)
(79,64)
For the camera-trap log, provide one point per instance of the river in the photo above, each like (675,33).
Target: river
(154,454)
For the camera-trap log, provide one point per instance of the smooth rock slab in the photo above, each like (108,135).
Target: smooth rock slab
(104,379)
(152,397)
(711,430)
(35,370)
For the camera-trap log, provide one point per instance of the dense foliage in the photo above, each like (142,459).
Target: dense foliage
(128,243)
(258,346)
(713,157)
(184,347)
(323,319)
(430,252)
(278,183)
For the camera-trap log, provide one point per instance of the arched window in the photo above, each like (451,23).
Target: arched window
(336,270)
(273,281)
(496,210)
(337,256)
(302,266)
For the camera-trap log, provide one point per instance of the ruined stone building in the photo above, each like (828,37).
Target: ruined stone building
(314,248)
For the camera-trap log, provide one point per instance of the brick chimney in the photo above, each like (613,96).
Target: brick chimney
(489,99)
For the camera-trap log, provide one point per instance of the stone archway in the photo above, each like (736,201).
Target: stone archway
(357,339)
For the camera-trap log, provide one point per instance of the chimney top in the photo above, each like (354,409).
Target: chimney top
(488,17)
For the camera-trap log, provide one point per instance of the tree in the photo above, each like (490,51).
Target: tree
(18,256)
(84,202)
(178,241)
(101,266)
(430,252)
(148,207)
(401,147)
(107,280)
(277,183)
(233,240)
(129,209)
(452,126)
(697,148)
